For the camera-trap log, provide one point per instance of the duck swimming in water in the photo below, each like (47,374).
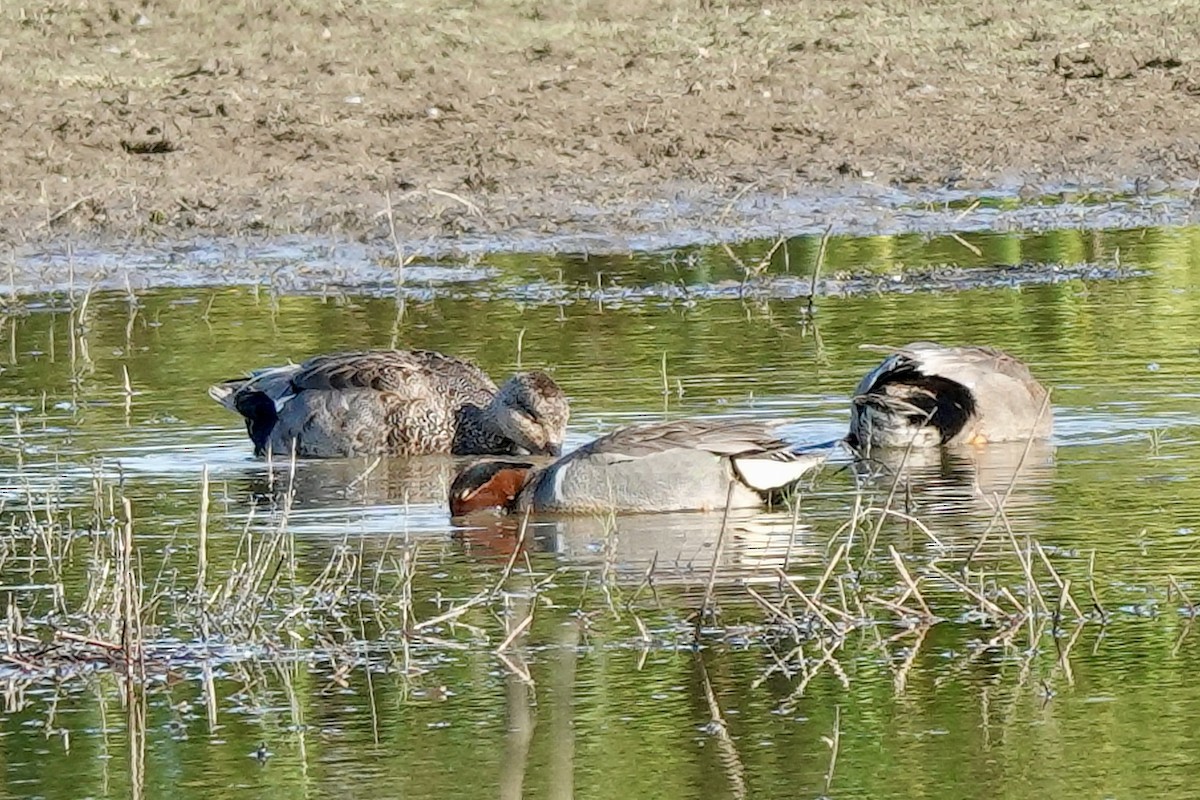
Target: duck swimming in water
(396,403)
(927,395)
(683,465)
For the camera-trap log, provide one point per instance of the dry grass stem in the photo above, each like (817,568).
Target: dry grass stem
(712,570)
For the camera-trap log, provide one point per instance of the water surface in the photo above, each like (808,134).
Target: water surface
(604,694)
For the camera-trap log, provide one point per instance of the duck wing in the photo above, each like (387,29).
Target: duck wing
(762,459)
(720,437)
(418,373)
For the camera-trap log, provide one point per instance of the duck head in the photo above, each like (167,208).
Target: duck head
(532,411)
(488,485)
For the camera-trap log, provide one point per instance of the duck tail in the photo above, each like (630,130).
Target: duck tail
(224,393)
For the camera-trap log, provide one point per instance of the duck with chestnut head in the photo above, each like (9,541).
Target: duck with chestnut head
(684,465)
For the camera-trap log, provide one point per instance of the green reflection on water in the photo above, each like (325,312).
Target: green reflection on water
(608,729)
(884,255)
(605,717)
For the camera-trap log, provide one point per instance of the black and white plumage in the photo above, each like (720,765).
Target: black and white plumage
(925,395)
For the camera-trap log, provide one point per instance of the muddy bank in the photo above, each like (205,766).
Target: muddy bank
(603,119)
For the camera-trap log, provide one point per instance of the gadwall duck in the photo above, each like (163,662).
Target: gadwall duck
(670,466)
(925,395)
(396,402)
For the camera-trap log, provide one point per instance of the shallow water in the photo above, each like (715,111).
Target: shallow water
(865,215)
(603,695)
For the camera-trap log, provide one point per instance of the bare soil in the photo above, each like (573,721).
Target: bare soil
(204,118)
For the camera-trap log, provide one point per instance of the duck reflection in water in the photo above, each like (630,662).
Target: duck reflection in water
(334,483)
(679,546)
(963,487)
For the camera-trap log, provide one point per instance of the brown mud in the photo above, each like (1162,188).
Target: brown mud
(482,120)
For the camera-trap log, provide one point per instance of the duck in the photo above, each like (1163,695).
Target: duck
(681,465)
(925,394)
(396,403)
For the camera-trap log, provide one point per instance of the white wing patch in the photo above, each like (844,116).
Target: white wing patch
(560,475)
(774,471)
